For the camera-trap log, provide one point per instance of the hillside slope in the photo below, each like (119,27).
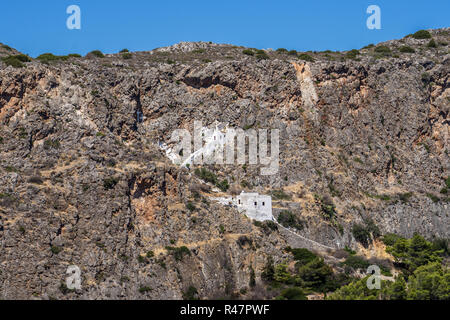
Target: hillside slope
(364,137)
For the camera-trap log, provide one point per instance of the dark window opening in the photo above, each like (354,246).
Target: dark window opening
(139,116)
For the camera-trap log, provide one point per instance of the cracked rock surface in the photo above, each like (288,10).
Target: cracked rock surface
(83,181)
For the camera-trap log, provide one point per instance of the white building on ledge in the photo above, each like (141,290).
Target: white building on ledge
(254,205)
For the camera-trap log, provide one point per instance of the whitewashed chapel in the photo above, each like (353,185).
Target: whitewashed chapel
(254,205)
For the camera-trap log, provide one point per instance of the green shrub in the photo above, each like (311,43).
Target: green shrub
(447,182)
(356,290)
(382,49)
(415,252)
(326,204)
(390,239)
(4,46)
(432,44)
(270,225)
(199,51)
(357,159)
(124,257)
(292,52)
(49,57)
(206,175)
(443,245)
(281,50)
(261,55)
(190,294)
(361,234)
(51,143)
(4,195)
(97,53)
(421,264)
(349,250)
(267,225)
(433,197)
(294,293)
(252,281)
(10,169)
(406,49)
(305,57)
(74,55)
(426,78)
(127,56)
(248,52)
(110,183)
(329,210)
(280,195)
(421,34)
(268,272)
(141,259)
(429,282)
(352,54)
(124,51)
(282,274)
(288,219)
(369,46)
(144,289)
(21,229)
(16,61)
(245,184)
(190,206)
(55,249)
(364,233)
(23,58)
(356,262)
(315,275)
(404,197)
(301,255)
(210,177)
(22,133)
(223,185)
(179,252)
(373,228)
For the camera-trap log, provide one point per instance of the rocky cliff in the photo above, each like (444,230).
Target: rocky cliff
(364,136)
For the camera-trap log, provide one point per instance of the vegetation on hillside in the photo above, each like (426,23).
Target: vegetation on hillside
(422,276)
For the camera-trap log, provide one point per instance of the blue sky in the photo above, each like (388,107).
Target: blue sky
(36,27)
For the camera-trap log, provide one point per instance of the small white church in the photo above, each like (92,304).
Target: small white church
(254,205)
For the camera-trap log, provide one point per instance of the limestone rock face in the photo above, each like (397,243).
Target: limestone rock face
(83,180)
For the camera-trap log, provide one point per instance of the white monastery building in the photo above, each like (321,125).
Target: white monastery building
(254,205)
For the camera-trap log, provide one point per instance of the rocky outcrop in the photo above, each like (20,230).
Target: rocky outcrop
(84,182)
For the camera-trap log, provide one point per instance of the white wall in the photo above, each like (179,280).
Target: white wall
(245,202)
(258,207)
